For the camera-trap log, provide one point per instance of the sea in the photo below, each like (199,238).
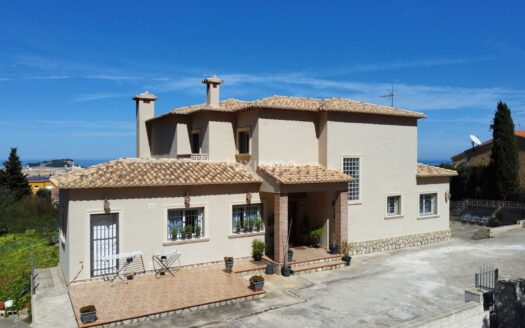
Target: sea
(90,162)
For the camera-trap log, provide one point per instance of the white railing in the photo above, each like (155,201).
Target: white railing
(199,157)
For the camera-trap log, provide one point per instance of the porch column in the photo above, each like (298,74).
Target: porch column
(280,239)
(341,218)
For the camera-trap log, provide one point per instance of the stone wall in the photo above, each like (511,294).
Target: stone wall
(389,244)
(510,303)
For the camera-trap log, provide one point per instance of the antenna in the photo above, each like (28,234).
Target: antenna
(391,96)
(475,141)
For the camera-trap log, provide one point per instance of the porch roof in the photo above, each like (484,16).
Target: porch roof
(141,172)
(301,174)
(424,170)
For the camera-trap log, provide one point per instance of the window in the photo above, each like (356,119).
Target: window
(246,218)
(195,142)
(182,218)
(427,204)
(351,166)
(243,140)
(393,206)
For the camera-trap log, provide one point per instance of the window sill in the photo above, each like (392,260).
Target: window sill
(423,217)
(246,234)
(185,241)
(355,202)
(393,217)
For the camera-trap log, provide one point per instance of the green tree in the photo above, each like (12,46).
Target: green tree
(11,176)
(504,161)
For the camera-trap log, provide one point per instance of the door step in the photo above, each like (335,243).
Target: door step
(316,267)
(322,260)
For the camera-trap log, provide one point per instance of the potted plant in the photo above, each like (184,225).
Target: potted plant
(189,231)
(174,232)
(315,237)
(183,233)
(257,282)
(290,255)
(346,248)
(258,224)
(228,262)
(197,231)
(88,314)
(286,270)
(238,226)
(257,249)
(249,225)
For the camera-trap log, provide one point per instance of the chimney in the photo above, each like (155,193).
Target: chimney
(212,91)
(145,110)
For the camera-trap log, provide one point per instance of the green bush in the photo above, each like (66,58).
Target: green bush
(316,233)
(258,247)
(29,213)
(44,194)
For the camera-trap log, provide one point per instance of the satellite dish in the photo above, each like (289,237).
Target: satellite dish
(475,140)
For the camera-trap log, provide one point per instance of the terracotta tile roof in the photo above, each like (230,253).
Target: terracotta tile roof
(298,174)
(135,172)
(301,104)
(424,171)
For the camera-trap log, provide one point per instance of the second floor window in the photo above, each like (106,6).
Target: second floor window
(243,139)
(195,143)
(352,167)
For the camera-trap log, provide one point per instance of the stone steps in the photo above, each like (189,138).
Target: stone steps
(319,266)
(327,259)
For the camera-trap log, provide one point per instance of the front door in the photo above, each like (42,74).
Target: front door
(104,242)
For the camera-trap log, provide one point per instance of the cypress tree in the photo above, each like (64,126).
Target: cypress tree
(12,178)
(504,160)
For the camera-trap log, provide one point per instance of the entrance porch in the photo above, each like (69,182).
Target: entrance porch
(300,199)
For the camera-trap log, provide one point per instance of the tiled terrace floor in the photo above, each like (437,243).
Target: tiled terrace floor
(146,295)
(306,254)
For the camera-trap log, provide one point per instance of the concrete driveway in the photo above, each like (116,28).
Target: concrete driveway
(381,290)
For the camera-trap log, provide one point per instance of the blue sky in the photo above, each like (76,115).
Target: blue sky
(68,70)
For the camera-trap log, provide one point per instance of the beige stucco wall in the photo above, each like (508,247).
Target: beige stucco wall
(143,223)
(163,136)
(288,137)
(221,137)
(387,148)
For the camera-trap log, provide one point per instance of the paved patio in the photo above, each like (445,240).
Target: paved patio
(146,295)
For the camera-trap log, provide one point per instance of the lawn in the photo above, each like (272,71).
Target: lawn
(14,263)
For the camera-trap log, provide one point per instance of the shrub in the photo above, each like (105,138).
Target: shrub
(29,213)
(174,232)
(88,308)
(258,247)
(44,194)
(495,219)
(345,247)
(256,278)
(316,233)
(228,259)
(197,230)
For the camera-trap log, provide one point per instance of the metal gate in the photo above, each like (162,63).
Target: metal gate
(104,242)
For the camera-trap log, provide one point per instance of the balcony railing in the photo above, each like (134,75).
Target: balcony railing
(194,157)
(199,157)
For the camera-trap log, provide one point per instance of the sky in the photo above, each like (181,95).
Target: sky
(68,70)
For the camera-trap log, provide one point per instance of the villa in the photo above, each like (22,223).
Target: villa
(209,179)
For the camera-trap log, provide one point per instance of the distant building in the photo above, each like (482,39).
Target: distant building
(480,155)
(39,182)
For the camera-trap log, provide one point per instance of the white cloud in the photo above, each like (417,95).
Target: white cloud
(416,97)
(96,96)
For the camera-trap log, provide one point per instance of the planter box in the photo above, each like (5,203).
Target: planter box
(229,266)
(257,286)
